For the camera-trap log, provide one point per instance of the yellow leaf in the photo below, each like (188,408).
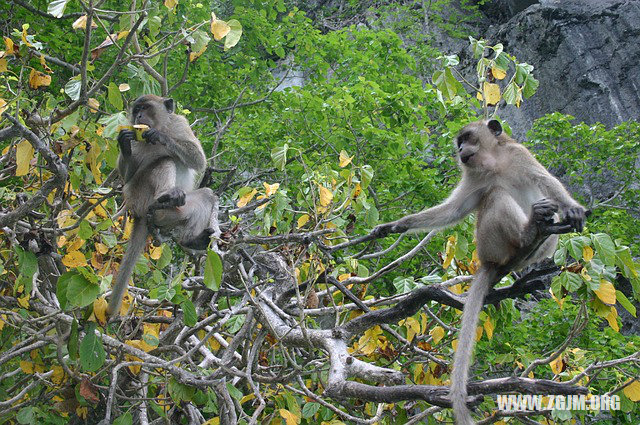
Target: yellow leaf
(437,333)
(195,55)
(270,189)
(127,300)
(632,391)
(76,244)
(413,327)
(587,253)
(557,365)
(74,259)
(3,319)
(3,65)
(213,421)
(498,73)
(244,200)
(454,344)
(488,327)
(345,159)
(100,310)
(450,251)
(82,411)
(155,252)
(37,79)
(606,292)
(3,105)
(81,23)
(92,159)
(289,417)
(93,105)
(101,248)
(24,35)
(24,301)
(325,196)
(170,4)
(368,342)
(124,87)
(58,375)
(344,277)
(219,28)
(24,155)
(247,398)
(27,367)
(491,92)
(10,47)
(304,219)
(478,333)
(612,318)
(123,34)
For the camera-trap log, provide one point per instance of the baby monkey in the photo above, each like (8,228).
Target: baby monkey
(159,175)
(516,201)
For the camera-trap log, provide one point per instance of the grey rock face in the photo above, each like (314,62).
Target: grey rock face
(586,55)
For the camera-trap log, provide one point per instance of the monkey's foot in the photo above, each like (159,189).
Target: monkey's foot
(175,197)
(200,242)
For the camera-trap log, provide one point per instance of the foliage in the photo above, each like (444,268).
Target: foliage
(313,137)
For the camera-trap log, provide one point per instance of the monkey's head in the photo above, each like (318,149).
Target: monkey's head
(151,110)
(477,143)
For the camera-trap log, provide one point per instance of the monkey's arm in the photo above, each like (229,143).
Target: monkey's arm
(126,163)
(180,142)
(462,201)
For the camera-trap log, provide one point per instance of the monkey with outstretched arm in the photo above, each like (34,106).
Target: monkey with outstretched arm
(514,198)
(159,176)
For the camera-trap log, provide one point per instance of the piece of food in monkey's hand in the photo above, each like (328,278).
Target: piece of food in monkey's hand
(138,128)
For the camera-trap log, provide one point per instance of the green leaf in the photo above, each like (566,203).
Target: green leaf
(85,231)
(27,266)
(165,257)
(114,96)
(511,93)
(366,175)
(403,284)
(573,281)
(310,409)
(624,302)
(80,291)
(72,88)
(56,8)
(279,156)
(201,40)
(180,392)
(26,415)
(112,122)
(575,245)
(234,34)
(234,392)
(72,345)
(213,270)
(126,419)
(190,314)
(605,248)
(530,86)
(92,353)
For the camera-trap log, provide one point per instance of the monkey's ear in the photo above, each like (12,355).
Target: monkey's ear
(495,127)
(170,105)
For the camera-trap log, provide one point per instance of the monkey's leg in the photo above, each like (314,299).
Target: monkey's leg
(192,220)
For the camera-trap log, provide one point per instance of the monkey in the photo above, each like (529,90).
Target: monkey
(159,176)
(514,198)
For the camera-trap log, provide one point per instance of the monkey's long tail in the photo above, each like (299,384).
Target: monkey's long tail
(466,341)
(137,242)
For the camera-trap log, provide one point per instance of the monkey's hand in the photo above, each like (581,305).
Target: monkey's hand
(153,136)
(543,217)
(575,217)
(385,229)
(125,137)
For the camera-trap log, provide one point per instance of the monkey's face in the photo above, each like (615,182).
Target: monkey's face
(476,144)
(143,113)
